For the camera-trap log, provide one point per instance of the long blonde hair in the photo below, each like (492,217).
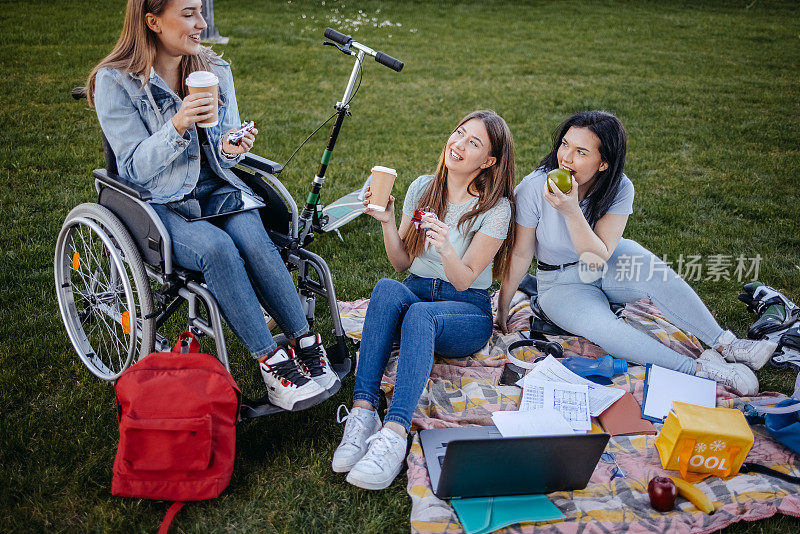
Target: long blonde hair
(135,51)
(490,185)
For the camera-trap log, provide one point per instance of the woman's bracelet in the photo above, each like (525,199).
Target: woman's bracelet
(225,154)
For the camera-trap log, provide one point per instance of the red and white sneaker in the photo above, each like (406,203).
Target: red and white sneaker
(287,387)
(314,362)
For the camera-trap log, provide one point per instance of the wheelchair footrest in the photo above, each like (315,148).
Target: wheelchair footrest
(342,369)
(259,407)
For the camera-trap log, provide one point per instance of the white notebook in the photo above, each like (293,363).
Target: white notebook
(663,386)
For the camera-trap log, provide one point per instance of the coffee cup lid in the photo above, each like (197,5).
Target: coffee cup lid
(202,78)
(387,170)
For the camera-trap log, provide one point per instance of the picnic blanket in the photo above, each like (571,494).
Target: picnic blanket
(466,392)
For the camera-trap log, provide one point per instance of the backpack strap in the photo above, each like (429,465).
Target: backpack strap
(172,511)
(761,406)
(194,345)
(749,467)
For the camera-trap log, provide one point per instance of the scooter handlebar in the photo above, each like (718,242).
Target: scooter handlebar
(347,40)
(337,37)
(389,61)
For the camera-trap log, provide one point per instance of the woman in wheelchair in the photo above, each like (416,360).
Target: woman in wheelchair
(151,125)
(443,305)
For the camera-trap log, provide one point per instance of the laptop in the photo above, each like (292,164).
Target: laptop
(478,461)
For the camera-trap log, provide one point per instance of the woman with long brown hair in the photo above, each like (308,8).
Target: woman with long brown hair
(443,305)
(153,127)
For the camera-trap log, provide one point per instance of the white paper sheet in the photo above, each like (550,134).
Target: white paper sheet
(543,422)
(666,385)
(569,400)
(551,370)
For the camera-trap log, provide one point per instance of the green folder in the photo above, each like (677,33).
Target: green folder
(487,514)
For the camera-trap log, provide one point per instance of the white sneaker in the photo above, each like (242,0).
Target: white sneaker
(287,387)
(383,461)
(753,353)
(314,361)
(737,376)
(361,424)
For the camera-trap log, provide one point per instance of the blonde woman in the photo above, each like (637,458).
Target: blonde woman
(443,305)
(150,122)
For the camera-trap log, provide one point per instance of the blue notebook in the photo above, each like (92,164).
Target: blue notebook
(663,386)
(487,514)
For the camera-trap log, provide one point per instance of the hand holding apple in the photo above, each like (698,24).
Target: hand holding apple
(554,193)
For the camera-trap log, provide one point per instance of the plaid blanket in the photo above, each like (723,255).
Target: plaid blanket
(466,392)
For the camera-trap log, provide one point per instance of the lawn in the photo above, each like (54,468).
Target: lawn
(709,92)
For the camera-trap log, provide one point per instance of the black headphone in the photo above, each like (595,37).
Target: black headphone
(550,348)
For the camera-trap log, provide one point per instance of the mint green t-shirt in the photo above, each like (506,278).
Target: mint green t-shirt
(493,222)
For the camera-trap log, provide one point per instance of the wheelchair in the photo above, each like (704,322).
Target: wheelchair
(116,282)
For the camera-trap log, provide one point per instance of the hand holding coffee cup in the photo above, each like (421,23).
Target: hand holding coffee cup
(381,183)
(195,108)
(203,81)
(385,216)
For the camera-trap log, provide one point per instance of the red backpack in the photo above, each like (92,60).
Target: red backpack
(177,427)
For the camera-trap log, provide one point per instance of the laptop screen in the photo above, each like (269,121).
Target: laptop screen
(479,462)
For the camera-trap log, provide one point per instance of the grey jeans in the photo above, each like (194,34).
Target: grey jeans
(581,306)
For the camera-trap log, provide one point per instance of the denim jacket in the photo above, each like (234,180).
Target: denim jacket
(148,149)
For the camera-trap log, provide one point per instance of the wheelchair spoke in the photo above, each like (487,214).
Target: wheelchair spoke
(110,325)
(103,291)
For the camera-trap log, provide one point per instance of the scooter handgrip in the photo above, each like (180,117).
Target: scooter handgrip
(389,61)
(337,37)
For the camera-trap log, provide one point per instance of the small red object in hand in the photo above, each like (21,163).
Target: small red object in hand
(419,214)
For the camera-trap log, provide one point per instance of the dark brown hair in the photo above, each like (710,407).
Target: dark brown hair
(613,147)
(490,185)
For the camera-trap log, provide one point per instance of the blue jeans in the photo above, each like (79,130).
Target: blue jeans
(582,307)
(239,260)
(425,315)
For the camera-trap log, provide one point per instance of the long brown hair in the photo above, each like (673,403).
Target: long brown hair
(135,51)
(490,185)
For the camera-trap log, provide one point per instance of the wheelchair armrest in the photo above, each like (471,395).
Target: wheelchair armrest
(121,184)
(261,164)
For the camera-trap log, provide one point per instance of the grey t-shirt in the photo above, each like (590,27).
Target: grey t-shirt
(494,222)
(553,243)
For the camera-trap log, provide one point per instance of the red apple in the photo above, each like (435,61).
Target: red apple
(662,492)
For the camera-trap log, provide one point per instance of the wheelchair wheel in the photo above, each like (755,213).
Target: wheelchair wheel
(103,291)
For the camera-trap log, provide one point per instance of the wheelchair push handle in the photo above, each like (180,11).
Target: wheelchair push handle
(347,41)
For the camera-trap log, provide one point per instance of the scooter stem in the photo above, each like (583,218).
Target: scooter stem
(343,109)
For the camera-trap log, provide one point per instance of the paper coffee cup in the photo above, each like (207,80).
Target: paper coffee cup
(381,183)
(203,81)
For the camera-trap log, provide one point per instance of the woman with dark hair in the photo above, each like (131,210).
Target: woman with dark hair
(443,305)
(584,263)
(151,123)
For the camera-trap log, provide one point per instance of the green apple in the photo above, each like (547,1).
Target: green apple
(562,179)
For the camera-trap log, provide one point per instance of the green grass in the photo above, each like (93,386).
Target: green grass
(708,91)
